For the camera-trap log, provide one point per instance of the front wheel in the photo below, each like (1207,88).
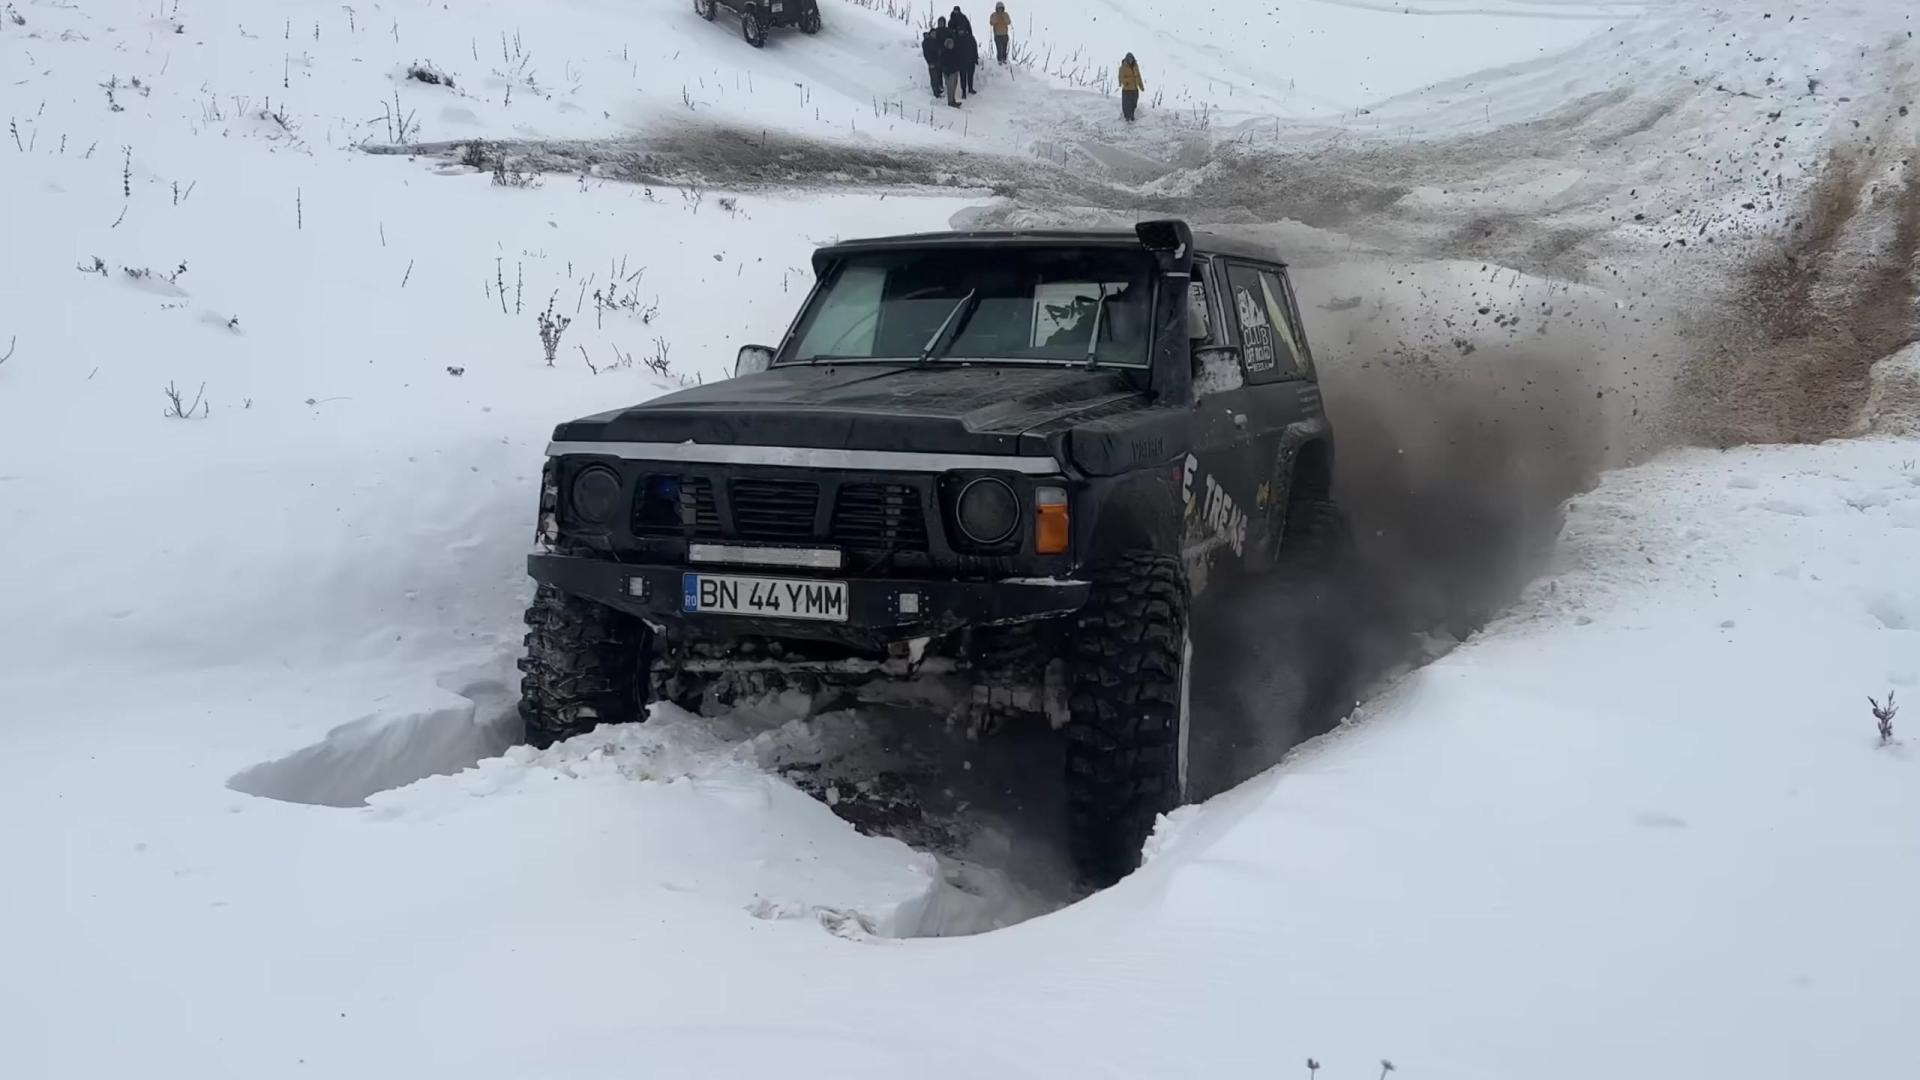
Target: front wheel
(1127,732)
(752,30)
(706,9)
(586,665)
(810,22)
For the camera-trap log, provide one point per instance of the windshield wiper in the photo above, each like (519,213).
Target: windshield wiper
(934,343)
(1093,339)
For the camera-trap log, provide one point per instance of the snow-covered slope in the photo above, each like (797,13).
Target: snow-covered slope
(1640,827)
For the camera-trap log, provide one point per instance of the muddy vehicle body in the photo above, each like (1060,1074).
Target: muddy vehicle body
(1003,465)
(759,17)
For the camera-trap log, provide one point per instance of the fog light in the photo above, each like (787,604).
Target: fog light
(1052,530)
(909,603)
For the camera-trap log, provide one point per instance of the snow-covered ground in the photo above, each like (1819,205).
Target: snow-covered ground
(1640,825)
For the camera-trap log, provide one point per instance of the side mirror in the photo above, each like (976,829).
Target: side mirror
(1199,319)
(753,359)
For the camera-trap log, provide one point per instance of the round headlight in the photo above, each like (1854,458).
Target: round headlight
(988,510)
(596,495)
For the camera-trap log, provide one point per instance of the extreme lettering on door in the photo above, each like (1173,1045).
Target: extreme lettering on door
(1218,513)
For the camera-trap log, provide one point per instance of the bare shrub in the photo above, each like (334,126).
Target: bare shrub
(424,71)
(278,116)
(551,327)
(178,409)
(12,343)
(513,176)
(1883,717)
(402,128)
(658,362)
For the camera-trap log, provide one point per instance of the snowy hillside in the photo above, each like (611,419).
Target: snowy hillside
(262,812)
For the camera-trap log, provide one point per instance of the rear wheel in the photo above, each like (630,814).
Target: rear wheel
(810,22)
(1127,732)
(752,29)
(586,665)
(706,9)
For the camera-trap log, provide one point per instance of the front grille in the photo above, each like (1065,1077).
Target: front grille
(681,506)
(774,510)
(883,517)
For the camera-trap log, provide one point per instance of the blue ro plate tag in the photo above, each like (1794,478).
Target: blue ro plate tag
(779,598)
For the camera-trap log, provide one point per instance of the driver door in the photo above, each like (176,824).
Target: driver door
(1220,476)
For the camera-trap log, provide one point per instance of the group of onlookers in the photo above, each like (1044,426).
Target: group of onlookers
(953,57)
(953,54)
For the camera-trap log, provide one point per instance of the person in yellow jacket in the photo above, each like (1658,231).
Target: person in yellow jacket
(1002,24)
(1130,86)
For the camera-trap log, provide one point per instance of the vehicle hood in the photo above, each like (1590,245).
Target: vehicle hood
(938,408)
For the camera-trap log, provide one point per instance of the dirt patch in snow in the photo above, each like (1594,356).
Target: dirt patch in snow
(1791,356)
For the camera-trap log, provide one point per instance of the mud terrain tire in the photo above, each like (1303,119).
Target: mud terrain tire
(752,28)
(810,23)
(585,665)
(706,9)
(1126,735)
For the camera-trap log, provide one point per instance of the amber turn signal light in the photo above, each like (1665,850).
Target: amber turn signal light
(1051,528)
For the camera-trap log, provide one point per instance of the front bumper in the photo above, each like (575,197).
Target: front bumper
(873,604)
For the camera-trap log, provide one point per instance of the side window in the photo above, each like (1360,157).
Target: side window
(1216,365)
(1286,313)
(1268,345)
(1200,291)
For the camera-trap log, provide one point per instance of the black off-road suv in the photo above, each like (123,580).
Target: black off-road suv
(999,466)
(759,16)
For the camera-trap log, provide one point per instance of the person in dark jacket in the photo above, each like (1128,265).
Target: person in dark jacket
(950,64)
(969,62)
(930,51)
(958,21)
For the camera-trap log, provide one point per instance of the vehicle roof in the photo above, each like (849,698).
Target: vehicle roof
(1204,242)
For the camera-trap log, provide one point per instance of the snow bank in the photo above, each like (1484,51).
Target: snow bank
(1638,817)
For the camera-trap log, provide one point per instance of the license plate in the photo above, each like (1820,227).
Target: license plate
(780,598)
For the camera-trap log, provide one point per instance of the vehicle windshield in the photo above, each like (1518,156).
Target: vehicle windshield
(983,305)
